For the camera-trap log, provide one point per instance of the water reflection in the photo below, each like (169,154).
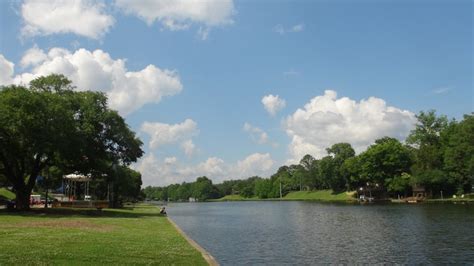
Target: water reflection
(313,233)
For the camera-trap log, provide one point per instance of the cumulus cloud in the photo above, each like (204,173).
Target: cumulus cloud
(6,71)
(33,57)
(280,29)
(188,147)
(82,17)
(254,164)
(273,104)
(97,70)
(257,134)
(181,14)
(327,120)
(163,134)
(158,172)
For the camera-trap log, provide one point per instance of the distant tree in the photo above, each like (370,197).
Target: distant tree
(332,165)
(384,160)
(203,189)
(184,192)
(281,181)
(309,172)
(263,189)
(458,154)
(427,149)
(351,172)
(399,184)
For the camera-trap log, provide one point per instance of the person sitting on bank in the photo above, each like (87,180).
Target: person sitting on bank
(162,210)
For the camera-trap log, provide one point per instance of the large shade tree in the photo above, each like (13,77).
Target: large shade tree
(48,123)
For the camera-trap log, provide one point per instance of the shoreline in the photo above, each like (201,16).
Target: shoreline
(206,255)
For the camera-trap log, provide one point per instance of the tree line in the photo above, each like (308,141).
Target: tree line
(49,129)
(438,155)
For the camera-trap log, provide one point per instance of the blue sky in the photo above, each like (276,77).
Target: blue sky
(214,61)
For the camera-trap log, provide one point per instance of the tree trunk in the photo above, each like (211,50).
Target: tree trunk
(46,201)
(22,201)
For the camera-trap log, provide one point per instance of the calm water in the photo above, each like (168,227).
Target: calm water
(313,233)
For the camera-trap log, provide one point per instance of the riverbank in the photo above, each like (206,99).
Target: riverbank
(320,195)
(64,236)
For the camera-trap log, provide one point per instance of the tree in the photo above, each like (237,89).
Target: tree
(332,165)
(309,172)
(203,189)
(427,149)
(263,188)
(50,124)
(425,138)
(399,184)
(458,156)
(384,160)
(126,185)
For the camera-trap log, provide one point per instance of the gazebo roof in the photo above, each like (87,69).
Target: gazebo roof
(78,177)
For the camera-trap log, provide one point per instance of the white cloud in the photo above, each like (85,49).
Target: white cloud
(257,134)
(96,70)
(181,14)
(188,147)
(203,33)
(273,104)
(327,120)
(170,160)
(280,29)
(33,57)
(162,134)
(442,90)
(6,71)
(170,171)
(82,17)
(254,164)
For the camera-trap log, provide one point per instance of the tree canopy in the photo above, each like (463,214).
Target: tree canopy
(49,123)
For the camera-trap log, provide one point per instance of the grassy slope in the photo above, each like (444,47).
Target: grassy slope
(322,195)
(6,194)
(139,236)
(234,198)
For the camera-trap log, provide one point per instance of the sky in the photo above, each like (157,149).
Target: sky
(231,89)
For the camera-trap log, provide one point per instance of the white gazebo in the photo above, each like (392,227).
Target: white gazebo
(70,183)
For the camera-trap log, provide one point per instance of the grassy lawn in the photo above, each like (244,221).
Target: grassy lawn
(234,198)
(322,195)
(6,194)
(72,236)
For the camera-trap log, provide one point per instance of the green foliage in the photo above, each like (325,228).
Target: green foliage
(399,184)
(386,159)
(49,124)
(202,189)
(263,189)
(458,154)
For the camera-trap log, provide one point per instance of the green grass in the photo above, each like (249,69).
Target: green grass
(320,195)
(84,237)
(234,198)
(6,194)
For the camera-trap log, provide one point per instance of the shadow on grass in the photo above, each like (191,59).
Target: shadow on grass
(127,212)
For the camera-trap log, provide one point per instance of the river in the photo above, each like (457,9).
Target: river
(296,232)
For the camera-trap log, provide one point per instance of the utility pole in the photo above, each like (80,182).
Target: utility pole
(280,189)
